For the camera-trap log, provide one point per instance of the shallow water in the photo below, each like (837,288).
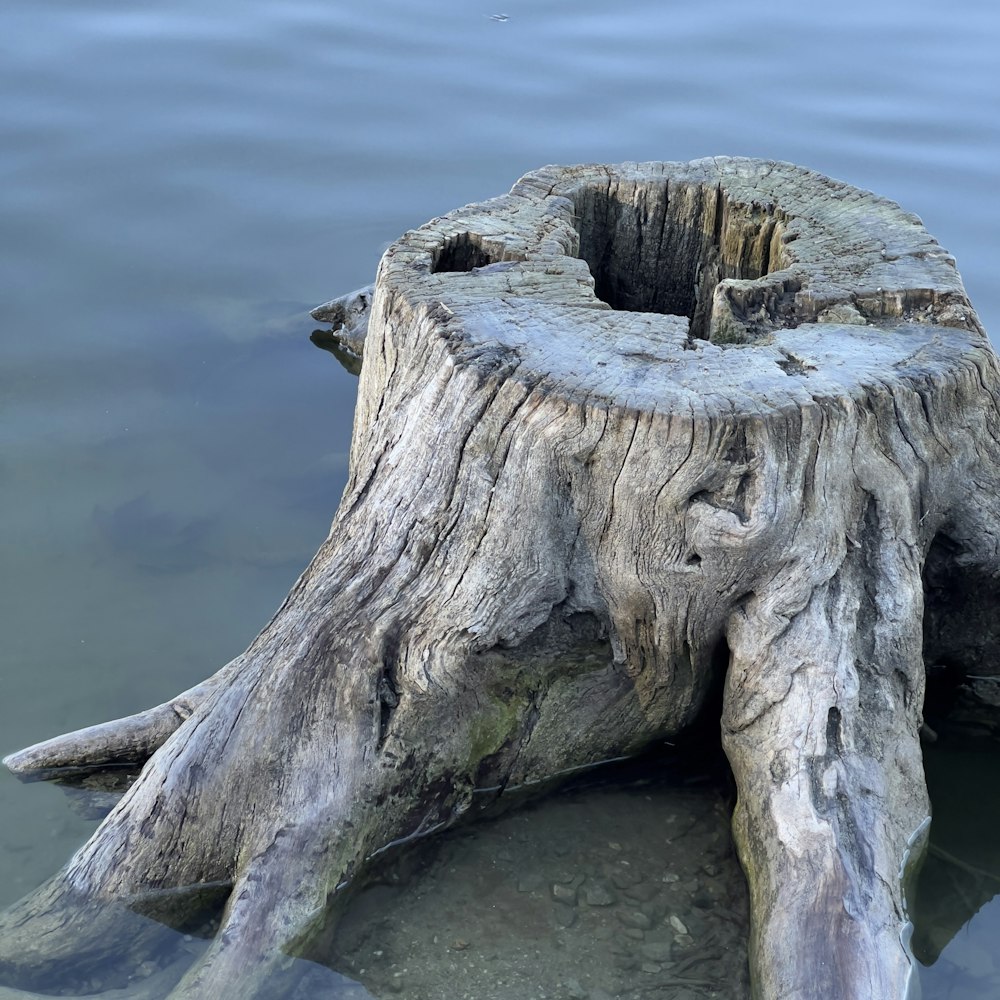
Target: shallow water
(628,891)
(181,181)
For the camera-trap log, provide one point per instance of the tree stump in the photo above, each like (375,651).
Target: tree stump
(622,434)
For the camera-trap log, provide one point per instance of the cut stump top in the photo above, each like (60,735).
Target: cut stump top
(724,285)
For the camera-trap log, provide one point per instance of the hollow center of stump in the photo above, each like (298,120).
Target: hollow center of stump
(659,247)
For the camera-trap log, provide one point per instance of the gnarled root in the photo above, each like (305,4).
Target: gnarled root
(821,727)
(124,742)
(270,798)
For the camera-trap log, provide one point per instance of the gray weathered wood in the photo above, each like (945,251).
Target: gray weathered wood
(348,317)
(619,432)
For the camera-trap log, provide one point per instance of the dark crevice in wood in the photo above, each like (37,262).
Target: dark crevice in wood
(703,238)
(388,698)
(732,499)
(462,253)
(701,739)
(791,365)
(960,600)
(834,735)
(961,633)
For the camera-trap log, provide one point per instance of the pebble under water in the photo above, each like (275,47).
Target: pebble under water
(625,891)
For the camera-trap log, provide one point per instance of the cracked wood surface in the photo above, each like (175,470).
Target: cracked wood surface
(614,429)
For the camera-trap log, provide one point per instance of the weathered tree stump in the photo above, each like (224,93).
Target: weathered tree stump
(620,433)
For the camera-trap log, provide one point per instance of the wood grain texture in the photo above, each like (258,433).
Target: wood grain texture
(619,432)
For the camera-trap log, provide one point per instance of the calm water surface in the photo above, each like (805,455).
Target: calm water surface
(180,182)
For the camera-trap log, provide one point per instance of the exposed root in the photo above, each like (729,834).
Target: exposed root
(275,863)
(130,741)
(277,905)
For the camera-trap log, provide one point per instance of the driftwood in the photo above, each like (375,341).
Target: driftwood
(623,435)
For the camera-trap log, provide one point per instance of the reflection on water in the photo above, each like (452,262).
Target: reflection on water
(956,904)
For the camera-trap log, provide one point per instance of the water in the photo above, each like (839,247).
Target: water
(179,182)
(627,891)
(956,907)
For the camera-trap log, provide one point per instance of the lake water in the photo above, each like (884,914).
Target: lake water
(181,181)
